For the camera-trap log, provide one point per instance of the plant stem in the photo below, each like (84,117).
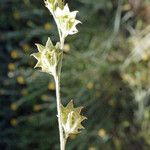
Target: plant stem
(118,17)
(57,83)
(61,134)
(62,40)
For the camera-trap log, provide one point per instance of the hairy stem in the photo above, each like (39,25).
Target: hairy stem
(61,134)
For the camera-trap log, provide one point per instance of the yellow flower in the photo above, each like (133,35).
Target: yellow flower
(144,57)
(47,26)
(37,107)
(13,54)
(125,123)
(11,66)
(24,92)
(13,122)
(27,2)
(102,132)
(112,103)
(117,143)
(20,80)
(51,86)
(44,97)
(125,77)
(89,85)
(13,106)
(91,148)
(147,114)
(16,15)
(126,7)
(66,48)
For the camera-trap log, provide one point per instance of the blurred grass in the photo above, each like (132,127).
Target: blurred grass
(115,95)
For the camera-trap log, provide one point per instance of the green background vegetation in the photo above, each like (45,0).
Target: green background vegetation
(106,69)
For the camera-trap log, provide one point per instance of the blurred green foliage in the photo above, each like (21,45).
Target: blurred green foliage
(107,72)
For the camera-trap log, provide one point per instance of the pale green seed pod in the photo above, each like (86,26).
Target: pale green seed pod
(71,119)
(48,57)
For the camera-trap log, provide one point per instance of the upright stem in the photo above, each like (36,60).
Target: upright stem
(61,134)
(62,40)
(57,83)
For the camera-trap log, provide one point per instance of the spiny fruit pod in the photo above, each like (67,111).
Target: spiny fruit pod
(66,20)
(71,119)
(49,57)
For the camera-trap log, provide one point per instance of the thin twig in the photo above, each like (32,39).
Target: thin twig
(61,134)
(118,17)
